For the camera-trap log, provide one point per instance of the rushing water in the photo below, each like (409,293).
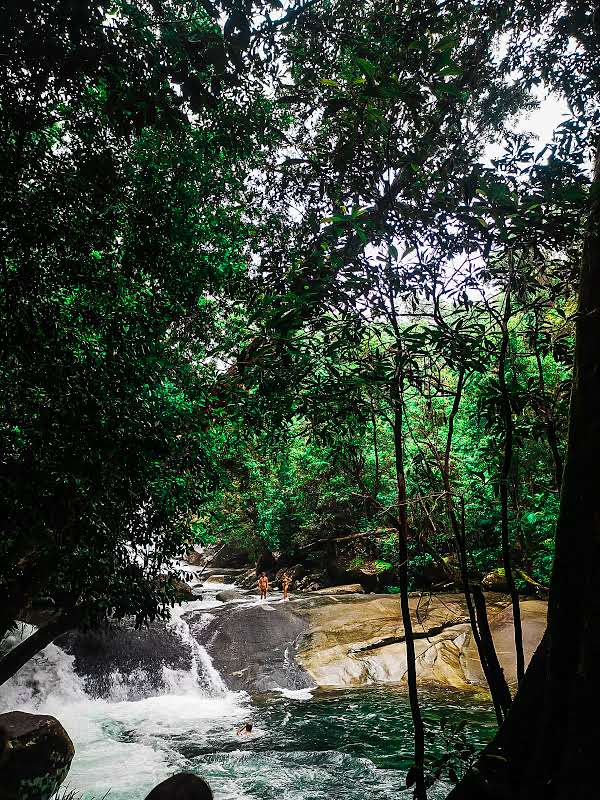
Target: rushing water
(305,745)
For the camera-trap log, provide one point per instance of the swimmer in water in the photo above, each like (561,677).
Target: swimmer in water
(246,730)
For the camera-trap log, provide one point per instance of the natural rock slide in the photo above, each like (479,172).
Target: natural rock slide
(334,640)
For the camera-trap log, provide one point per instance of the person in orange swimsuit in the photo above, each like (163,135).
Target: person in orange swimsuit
(263,586)
(285,585)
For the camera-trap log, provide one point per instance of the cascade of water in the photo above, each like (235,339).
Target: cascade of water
(51,675)
(48,674)
(202,675)
(127,739)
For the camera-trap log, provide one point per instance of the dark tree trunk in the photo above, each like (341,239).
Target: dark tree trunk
(549,421)
(418,772)
(549,741)
(477,612)
(16,658)
(504,478)
(494,674)
(552,437)
(501,766)
(567,755)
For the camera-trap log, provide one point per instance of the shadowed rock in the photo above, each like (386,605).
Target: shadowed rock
(253,646)
(183,786)
(135,659)
(36,757)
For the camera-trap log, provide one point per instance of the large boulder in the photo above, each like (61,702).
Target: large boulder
(229,594)
(183,591)
(183,786)
(347,588)
(351,640)
(36,757)
(253,646)
(495,581)
(358,640)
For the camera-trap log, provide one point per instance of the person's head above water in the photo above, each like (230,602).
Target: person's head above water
(183,786)
(249,727)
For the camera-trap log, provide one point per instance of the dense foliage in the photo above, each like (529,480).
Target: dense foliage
(122,223)
(331,472)
(262,280)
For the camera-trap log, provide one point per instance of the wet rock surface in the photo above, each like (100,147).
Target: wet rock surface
(341,640)
(253,646)
(137,658)
(36,757)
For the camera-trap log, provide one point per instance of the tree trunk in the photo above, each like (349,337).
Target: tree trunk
(548,419)
(477,612)
(566,758)
(493,671)
(16,658)
(549,740)
(501,766)
(418,771)
(505,474)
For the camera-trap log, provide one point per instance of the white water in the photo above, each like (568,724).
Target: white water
(349,745)
(127,746)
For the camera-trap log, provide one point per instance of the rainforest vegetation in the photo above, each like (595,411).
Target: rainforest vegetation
(278,273)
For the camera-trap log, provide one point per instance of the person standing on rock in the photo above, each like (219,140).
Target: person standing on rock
(285,585)
(263,586)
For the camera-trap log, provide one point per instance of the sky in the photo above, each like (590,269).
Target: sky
(542,121)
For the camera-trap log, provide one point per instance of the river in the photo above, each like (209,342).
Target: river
(305,745)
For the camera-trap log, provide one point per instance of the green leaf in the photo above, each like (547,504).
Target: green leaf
(446,43)
(367,67)
(451,70)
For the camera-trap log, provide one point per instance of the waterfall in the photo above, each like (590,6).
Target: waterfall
(49,674)
(202,674)
(128,730)
(54,674)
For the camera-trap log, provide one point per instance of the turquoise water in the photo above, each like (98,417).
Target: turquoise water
(306,745)
(348,744)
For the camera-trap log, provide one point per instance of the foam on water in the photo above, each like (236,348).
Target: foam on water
(121,745)
(296,694)
(304,747)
